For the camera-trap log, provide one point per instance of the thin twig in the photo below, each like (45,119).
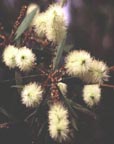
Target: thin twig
(107,85)
(4,125)
(18,22)
(111,68)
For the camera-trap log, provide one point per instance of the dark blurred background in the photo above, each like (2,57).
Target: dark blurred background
(91,27)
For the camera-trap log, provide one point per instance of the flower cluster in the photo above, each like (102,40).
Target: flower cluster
(9,56)
(91,94)
(98,72)
(56,26)
(58,122)
(40,22)
(51,24)
(80,64)
(23,58)
(77,63)
(32,94)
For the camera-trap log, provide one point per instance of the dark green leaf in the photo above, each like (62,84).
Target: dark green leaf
(74,123)
(25,23)
(18,41)
(69,106)
(5,113)
(17,86)
(18,80)
(57,58)
(72,112)
(30,115)
(80,108)
(41,129)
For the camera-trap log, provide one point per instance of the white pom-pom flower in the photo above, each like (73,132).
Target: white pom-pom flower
(58,123)
(9,56)
(56,23)
(39,22)
(98,72)
(63,87)
(32,7)
(91,94)
(77,63)
(31,94)
(25,59)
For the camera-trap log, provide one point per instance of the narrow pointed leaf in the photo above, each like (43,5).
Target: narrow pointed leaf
(5,113)
(74,123)
(68,104)
(18,80)
(60,49)
(80,108)
(41,129)
(25,24)
(17,86)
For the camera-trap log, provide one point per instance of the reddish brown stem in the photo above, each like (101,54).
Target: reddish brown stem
(4,125)
(44,42)
(107,85)
(111,68)
(18,21)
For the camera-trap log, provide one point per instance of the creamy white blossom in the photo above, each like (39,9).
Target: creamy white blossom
(77,63)
(97,73)
(63,87)
(31,94)
(58,123)
(9,56)
(32,7)
(25,59)
(91,94)
(51,23)
(56,23)
(39,22)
